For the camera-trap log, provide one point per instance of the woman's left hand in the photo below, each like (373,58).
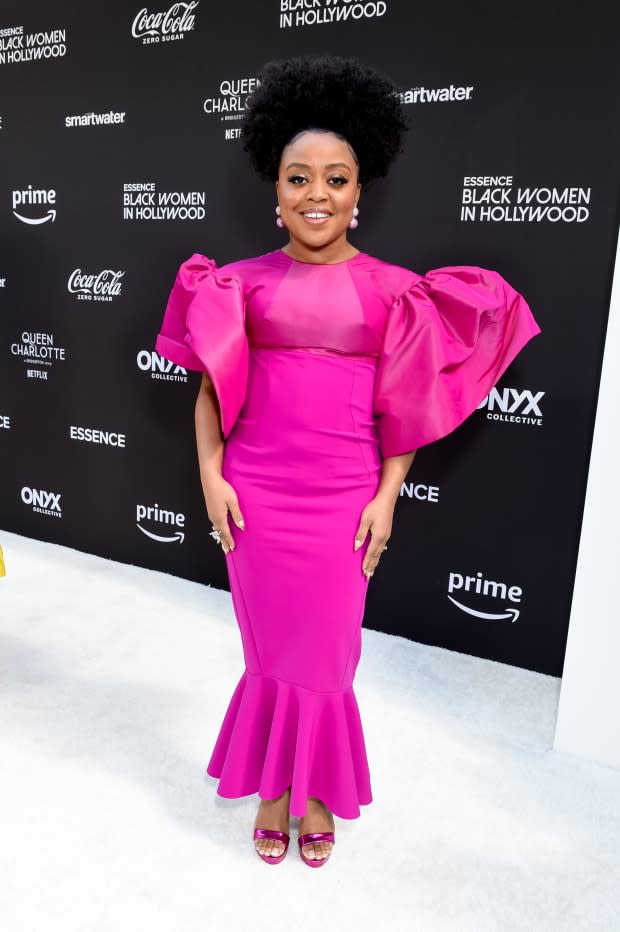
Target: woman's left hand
(376,519)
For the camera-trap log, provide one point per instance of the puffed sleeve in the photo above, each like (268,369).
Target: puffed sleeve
(203,329)
(448,339)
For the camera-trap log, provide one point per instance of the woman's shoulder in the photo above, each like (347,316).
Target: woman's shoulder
(389,277)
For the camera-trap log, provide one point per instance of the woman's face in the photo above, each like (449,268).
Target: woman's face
(318,175)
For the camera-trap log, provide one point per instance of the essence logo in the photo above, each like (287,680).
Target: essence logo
(17,46)
(320,12)
(94,435)
(166,26)
(419,491)
(34,198)
(160,368)
(142,201)
(170,518)
(503,406)
(42,501)
(487,588)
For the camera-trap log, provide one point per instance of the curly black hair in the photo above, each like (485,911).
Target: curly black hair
(327,92)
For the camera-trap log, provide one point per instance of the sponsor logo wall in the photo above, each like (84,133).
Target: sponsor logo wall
(119,129)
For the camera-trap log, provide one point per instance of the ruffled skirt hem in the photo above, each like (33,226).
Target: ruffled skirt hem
(277,734)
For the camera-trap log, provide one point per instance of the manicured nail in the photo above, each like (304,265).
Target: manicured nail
(242,524)
(357,545)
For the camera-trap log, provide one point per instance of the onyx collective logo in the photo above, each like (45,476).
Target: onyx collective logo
(42,501)
(160,368)
(516,405)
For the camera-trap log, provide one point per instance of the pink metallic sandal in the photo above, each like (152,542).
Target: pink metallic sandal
(307,839)
(271,833)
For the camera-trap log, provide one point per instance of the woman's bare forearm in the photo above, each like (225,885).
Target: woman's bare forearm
(393,473)
(209,437)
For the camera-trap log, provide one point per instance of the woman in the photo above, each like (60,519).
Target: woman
(324,369)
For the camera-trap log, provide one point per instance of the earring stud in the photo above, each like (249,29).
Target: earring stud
(279,221)
(353,222)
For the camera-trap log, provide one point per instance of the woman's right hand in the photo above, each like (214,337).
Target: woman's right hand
(220,498)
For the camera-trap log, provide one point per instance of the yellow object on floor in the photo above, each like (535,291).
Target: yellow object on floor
(2,569)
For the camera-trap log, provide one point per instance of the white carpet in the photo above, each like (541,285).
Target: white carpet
(114,680)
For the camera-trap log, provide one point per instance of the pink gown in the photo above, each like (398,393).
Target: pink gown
(321,371)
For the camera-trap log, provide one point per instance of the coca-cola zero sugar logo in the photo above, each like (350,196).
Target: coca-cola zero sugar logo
(165,26)
(102,286)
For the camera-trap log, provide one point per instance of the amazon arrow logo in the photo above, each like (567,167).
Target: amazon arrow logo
(162,516)
(177,538)
(35,197)
(485,587)
(50,215)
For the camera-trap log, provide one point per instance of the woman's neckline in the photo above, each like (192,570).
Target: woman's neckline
(303,262)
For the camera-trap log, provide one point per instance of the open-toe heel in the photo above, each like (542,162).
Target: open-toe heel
(307,839)
(271,833)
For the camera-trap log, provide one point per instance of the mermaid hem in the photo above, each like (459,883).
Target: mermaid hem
(276,734)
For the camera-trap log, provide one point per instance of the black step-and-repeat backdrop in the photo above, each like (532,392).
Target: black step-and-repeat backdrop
(120,156)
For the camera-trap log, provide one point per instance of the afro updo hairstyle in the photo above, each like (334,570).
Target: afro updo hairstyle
(326,92)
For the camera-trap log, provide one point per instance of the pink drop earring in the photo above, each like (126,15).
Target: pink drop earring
(279,221)
(353,222)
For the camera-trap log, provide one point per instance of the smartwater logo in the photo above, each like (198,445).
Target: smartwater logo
(100,286)
(486,588)
(435,95)
(519,406)
(35,199)
(95,119)
(160,368)
(165,26)
(42,501)
(171,519)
